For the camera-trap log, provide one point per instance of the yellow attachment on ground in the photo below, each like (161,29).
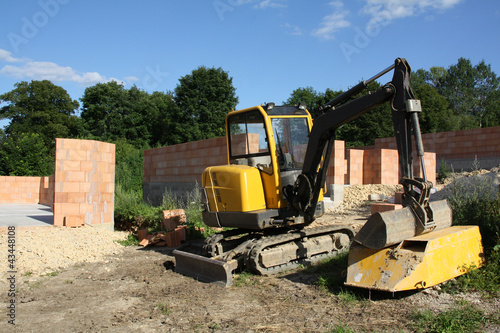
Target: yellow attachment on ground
(418,262)
(233,188)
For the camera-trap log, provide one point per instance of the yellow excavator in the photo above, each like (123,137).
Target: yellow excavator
(272,190)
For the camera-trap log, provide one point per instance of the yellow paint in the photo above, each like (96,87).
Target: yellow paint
(419,262)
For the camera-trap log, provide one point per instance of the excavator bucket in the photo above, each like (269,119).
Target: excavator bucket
(392,227)
(417,262)
(205,269)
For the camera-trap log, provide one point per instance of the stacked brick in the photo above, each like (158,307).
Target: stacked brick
(175,230)
(84,183)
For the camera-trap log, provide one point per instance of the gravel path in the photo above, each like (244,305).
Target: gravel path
(41,250)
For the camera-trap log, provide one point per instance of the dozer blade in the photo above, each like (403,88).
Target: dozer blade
(418,262)
(205,269)
(392,227)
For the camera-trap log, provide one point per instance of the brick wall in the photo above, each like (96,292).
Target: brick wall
(84,183)
(26,190)
(337,167)
(177,169)
(459,149)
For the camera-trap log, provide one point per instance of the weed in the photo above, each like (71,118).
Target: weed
(68,282)
(164,308)
(34,285)
(463,318)
(131,240)
(341,329)
(51,273)
(443,173)
(132,213)
(485,279)
(243,279)
(347,297)
(29,273)
(330,272)
(475,201)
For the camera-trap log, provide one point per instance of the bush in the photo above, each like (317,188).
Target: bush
(475,201)
(132,213)
(443,173)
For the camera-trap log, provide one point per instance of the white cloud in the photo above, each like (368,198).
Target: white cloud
(292,29)
(130,79)
(7,56)
(270,4)
(385,11)
(44,70)
(334,22)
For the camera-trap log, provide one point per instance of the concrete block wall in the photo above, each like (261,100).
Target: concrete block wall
(26,190)
(459,148)
(84,183)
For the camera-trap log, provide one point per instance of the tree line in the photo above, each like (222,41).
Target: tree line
(462,96)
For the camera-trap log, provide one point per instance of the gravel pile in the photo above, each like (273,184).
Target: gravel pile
(41,250)
(356,196)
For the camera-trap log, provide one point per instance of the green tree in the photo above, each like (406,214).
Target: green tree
(313,99)
(161,110)
(129,162)
(111,112)
(105,110)
(40,107)
(25,155)
(470,90)
(360,132)
(203,99)
(436,115)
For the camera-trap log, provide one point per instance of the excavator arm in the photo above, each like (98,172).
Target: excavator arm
(303,197)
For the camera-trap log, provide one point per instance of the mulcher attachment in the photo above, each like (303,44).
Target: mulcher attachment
(417,262)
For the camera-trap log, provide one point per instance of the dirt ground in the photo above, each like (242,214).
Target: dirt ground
(136,289)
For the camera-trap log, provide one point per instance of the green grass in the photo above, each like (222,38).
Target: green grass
(243,279)
(485,279)
(164,308)
(330,273)
(462,318)
(340,328)
(131,240)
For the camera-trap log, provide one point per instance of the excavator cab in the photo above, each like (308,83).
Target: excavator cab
(266,151)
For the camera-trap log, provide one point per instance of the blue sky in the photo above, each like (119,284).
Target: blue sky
(269,47)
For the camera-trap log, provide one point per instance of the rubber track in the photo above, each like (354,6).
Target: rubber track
(211,242)
(252,259)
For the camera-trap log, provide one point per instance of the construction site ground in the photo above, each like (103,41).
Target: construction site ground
(93,288)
